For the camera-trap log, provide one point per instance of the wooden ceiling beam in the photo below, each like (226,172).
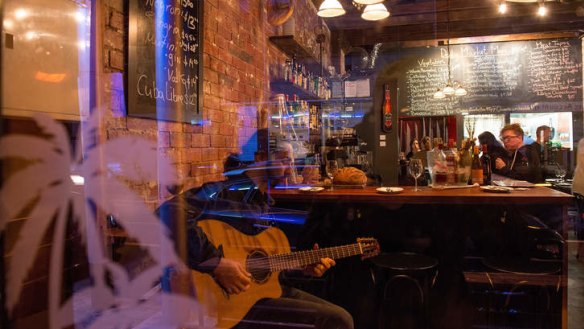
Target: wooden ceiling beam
(437,19)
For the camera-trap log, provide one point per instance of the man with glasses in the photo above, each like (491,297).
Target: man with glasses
(522,161)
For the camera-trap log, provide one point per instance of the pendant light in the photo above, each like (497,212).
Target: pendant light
(330,8)
(449,90)
(375,12)
(367,2)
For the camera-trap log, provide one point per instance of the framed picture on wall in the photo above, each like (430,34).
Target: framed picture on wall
(165,60)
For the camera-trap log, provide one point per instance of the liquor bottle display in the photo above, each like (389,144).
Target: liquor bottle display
(476,169)
(387,119)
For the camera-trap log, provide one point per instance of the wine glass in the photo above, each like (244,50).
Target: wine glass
(560,173)
(416,168)
(330,168)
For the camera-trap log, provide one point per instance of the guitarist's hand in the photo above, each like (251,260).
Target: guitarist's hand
(232,276)
(318,269)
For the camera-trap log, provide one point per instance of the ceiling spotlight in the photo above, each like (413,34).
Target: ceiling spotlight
(541,10)
(375,12)
(502,7)
(330,8)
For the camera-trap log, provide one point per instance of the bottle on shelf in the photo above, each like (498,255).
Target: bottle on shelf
(486,161)
(476,169)
(387,119)
(451,155)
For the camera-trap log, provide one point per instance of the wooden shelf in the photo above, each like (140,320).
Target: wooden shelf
(292,48)
(286,87)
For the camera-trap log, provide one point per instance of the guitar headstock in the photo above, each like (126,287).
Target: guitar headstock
(369,247)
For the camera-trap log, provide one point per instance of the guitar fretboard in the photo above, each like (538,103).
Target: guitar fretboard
(300,259)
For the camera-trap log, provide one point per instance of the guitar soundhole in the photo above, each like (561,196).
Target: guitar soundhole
(258,265)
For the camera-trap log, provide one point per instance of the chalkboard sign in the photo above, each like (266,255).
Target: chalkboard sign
(165,60)
(518,76)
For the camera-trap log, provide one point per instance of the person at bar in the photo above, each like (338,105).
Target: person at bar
(521,161)
(414,148)
(544,135)
(494,147)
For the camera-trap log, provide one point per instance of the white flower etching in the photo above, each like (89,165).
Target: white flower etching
(43,192)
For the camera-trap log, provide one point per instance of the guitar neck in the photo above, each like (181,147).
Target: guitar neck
(300,259)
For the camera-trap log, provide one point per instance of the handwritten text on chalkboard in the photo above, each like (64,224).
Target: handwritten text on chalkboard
(164,79)
(539,76)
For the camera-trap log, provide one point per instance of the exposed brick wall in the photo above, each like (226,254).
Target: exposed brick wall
(236,71)
(234,89)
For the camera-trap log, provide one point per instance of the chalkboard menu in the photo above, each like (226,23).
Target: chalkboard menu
(518,76)
(165,59)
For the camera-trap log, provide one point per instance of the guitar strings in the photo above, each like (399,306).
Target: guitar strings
(298,259)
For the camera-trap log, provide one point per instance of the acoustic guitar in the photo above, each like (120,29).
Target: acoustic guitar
(263,255)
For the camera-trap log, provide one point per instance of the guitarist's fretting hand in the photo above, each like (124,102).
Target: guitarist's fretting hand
(318,269)
(232,276)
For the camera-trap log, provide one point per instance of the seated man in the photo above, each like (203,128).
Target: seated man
(522,161)
(294,307)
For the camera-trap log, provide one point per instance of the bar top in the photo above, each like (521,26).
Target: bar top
(427,195)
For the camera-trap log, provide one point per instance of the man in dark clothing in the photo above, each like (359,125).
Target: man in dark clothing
(522,161)
(293,307)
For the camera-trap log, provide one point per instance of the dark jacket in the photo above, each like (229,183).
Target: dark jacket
(523,165)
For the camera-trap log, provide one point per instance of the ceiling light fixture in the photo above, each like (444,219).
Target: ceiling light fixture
(367,2)
(451,89)
(502,7)
(541,9)
(330,8)
(375,12)
(374,9)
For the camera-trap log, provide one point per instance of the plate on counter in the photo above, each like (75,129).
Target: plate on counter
(311,189)
(390,190)
(496,189)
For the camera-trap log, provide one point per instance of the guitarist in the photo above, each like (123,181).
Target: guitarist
(295,307)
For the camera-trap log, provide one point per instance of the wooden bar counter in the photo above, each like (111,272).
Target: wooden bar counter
(448,212)
(428,196)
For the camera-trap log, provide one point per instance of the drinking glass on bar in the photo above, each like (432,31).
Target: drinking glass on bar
(560,173)
(330,168)
(416,168)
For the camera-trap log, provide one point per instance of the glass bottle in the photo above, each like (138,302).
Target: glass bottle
(487,170)
(451,156)
(387,119)
(476,169)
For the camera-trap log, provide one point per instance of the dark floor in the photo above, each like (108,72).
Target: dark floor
(149,314)
(575,285)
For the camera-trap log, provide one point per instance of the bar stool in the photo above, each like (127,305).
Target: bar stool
(403,281)
(529,296)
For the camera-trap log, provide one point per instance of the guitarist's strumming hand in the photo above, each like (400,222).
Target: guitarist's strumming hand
(232,276)
(318,269)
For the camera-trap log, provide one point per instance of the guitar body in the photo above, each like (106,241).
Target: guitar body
(230,309)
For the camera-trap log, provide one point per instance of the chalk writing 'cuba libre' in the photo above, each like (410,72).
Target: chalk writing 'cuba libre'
(144,88)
